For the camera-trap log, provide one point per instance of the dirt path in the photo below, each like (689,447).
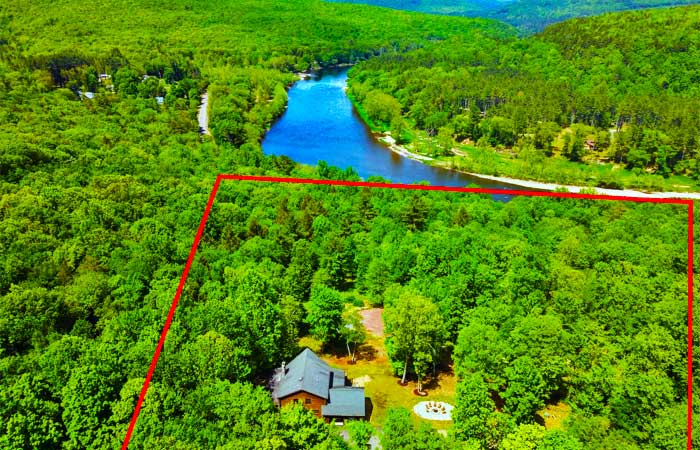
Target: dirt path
(372,320)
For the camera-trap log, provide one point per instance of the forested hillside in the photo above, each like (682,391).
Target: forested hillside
(471,8)
(527,15)
(534,15)
(101,197)
(104,178)
(539,301)
(214,34)
(619,89)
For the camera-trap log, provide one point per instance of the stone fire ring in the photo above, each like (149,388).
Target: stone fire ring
(434,410)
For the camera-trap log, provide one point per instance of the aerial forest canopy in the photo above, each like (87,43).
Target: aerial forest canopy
(215,34)
(539,301)
(527,15)
(619,91)
(104,178)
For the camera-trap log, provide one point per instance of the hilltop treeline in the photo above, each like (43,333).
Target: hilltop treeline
(299,35)
(619,88)
(528,16)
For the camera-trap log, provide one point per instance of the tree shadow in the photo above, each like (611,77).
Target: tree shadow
(369,408)
(539,419)
(431,383)
(367,352)
(497,400)
(558,395)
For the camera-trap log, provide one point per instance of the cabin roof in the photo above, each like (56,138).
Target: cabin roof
(307,373)
(345,402)
(310,374)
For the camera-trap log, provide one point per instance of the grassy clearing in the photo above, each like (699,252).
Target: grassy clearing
(383,388)
(385,392)
(555,415)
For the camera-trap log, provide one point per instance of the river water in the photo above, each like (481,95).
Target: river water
(321,124)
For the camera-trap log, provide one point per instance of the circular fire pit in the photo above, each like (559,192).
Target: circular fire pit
(434,410)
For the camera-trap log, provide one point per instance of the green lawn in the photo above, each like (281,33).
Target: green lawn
(383,388)
(385,392)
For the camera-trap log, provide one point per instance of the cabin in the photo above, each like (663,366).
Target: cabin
(324,390)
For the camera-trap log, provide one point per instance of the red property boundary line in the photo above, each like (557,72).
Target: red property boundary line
(217,183)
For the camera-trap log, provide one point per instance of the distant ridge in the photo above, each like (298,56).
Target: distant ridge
(527,15)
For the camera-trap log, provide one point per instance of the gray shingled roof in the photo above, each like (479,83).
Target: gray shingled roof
(308,373)
(338,377)
(345,402)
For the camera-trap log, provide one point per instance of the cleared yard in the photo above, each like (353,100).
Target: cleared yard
(373,370)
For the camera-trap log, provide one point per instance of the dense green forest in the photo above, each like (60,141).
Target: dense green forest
(538,301)
(299,34)
(619,90)
(101,195)
(527,15)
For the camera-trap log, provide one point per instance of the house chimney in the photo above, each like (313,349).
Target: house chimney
(284,368)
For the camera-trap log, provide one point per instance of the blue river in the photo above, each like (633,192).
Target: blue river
(321,124)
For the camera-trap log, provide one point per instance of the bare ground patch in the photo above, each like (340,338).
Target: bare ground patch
(372,320)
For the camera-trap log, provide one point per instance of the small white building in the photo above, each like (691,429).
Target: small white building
(89,95)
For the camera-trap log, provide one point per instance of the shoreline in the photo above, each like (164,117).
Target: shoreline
(308,73)
(391,144)
(540,185)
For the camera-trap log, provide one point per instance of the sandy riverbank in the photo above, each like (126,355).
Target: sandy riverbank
(539,185)
(576,189)
(403,151)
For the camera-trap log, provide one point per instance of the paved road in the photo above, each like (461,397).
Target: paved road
(203,115)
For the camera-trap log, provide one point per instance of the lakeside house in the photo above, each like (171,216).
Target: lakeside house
(324,390)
